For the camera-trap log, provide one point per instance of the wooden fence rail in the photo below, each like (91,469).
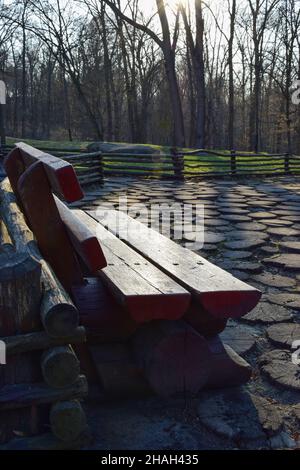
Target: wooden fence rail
(92,167)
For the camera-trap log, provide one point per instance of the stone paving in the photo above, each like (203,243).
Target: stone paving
(253,231)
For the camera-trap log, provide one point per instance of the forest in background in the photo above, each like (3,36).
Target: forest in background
(191,73)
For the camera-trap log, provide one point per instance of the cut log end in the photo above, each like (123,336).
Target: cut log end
(231,304)
(97,260)
(178,370)
(157,307)
(70,188)
(203,322)
(67,420)
(60,367)
(175,358)
(59,320)
(16,266)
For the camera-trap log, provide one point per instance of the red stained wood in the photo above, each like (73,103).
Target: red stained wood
(85,243)
(14,167)
(204,322)
(61,175)
(217,291)
(142,289)
(44,220)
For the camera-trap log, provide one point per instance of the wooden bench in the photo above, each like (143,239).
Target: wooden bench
(160,301)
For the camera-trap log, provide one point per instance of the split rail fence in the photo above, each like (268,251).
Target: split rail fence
(92,167)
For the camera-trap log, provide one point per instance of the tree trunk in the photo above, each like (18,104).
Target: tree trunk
(231,77)
(107,74)
(24,81)
(200,76)
(169,57)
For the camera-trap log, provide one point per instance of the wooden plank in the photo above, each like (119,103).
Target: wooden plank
(142,289)
(61,174)
(45,222)
(220,294)
(85,243)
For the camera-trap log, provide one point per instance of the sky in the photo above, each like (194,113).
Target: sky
(149,7)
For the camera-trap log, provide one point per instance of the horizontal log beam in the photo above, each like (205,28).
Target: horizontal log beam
(40,341)
(13,397)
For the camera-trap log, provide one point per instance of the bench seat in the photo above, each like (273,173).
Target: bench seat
(217,291)
(142,289)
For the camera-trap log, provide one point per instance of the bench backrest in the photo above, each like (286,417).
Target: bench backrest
(34,177)
(60,174)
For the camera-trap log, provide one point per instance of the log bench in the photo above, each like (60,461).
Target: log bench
(152,309)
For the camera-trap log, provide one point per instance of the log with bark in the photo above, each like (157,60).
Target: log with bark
(67,420)
(60,367)
(59,315)
(39,341)
(19,396)
(29,293)
(20,298)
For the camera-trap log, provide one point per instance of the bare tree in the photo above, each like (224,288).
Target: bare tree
(167,47)
(260,11)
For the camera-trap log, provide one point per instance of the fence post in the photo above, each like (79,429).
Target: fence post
(287,163)
(233,162)
(178,163)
